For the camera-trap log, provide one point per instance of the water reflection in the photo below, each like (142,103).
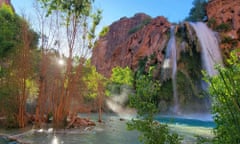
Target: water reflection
(55,140)
(113,130)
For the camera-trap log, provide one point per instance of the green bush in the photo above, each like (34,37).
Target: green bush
(198,11)
(229,40)
(225,91)
(104,31)
(122,76)
(8,105)
(145,101)
(139,26)
(211,23)
(135,29)
(9,30)
(223,27)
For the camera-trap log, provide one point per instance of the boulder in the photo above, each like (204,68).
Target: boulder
(76,122)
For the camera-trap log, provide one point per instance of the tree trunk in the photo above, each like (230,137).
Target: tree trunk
(23,72)
(100,100)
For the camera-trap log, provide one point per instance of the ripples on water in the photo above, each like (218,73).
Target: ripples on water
(113,131)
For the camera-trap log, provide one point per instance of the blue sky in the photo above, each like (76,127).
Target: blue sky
(173,10)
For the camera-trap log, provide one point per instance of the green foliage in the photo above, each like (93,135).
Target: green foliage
(92,80)
(104,31)
(68,6)
(141,66)
(145,101)
(238,34)
(139,26)
(96,20)
(114,88)
(191,62)
(229,40)
(8,9)
(15,34)
(212,23)
(76,14)
(225,90)
(9,31)
(154,132)
(122,76)
(223,27)
(8,104)
(166,90)
(204,140)
(10,28)
(135,29)
(198,11)
(32,88)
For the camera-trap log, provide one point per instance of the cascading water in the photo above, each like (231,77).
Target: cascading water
(210,52)
(171,58)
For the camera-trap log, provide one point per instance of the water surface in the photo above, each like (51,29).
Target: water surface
(112,131)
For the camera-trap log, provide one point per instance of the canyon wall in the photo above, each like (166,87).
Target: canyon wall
(224,17)
(129,40)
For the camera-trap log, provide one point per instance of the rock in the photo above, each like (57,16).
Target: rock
(77,122)
(129,40)
(226,12)
(122,119)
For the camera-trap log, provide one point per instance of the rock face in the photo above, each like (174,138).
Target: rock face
(129,40)
(226,13)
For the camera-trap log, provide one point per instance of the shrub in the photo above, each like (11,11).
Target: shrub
(198,11)
(122,76)
(223,27)
(139,26)
(211,23)
(104,31)
(145,101)
(229,40)
(225,91)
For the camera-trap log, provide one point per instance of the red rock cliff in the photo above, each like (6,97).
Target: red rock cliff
(226,12)
(128,40)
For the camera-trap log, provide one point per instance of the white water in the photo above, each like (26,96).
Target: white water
(210,52)
(171,57)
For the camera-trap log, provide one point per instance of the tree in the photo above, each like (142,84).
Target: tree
(23,71)
(96,84)
(48,70)
(75,17)
(17,44)
(9,28)
(225,90)
(104,31)
(122,76)
(8,40)
(145,101)
(198,12)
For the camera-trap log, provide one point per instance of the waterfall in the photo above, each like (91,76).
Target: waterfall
(171,58)
(210,52)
